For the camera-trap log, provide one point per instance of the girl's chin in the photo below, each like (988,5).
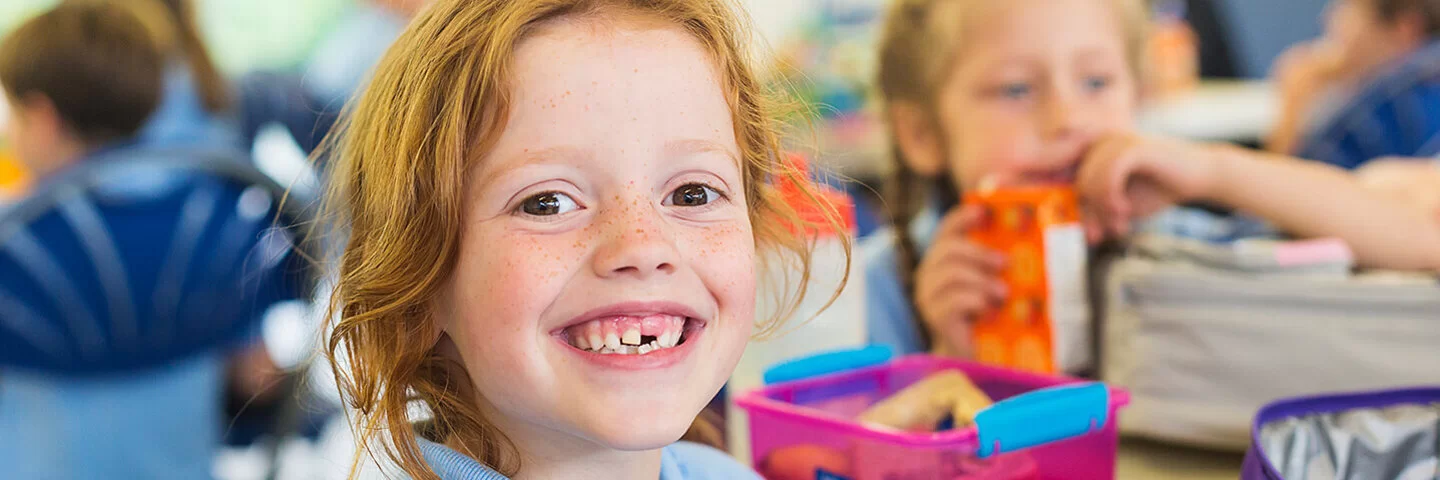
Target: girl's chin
(639,436)
(637,424)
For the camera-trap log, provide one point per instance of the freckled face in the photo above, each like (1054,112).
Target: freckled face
(614,183)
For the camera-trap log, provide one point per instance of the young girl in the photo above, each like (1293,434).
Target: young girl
(1050,99)
(974,89)
(552,212)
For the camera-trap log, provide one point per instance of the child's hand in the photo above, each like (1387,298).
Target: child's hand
(1305,70)
(1303,75)
(1125,176)
(956,281)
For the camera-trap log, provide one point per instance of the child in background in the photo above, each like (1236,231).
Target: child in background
(975,89)
(1050,99)
(80,78)
(1363,90)
(552,212)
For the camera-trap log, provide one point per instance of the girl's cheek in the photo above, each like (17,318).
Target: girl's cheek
(726,249)
(517,263)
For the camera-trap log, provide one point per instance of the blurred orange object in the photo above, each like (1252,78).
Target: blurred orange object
(1038,228)
(1174,56)
(13,179)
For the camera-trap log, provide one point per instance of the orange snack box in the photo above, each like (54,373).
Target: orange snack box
(1045,316)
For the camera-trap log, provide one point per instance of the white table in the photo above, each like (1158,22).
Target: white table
(1215,111)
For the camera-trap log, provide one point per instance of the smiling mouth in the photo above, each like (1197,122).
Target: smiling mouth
(631,334)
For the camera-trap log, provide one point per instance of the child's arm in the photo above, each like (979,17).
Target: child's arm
(1126,177)
(1414,181)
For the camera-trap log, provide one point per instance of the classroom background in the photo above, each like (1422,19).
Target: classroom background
(292,61)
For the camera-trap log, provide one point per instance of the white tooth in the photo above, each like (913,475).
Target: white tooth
(667,340)
(654,345)
(632,336)
(612,341)
(596,341)
(644,349)
(580,342)
(627,349)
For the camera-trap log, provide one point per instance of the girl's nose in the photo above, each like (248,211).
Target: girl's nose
(635,245)
(1062,120)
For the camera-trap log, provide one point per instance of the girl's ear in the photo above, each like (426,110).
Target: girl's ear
(918,138)
(41,116)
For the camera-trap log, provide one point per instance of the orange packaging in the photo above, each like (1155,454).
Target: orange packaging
(1043,324)
(13,180)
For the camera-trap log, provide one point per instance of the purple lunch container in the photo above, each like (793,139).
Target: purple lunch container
(1380,435)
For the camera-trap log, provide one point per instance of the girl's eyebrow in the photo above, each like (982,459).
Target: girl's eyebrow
(567,153)
(531,157)
(690,146)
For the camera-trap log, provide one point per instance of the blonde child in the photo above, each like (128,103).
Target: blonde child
(552,212)
(1011,91)
(1044,91)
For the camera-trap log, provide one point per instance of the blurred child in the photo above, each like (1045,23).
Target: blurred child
(974,89)
(552,213)
(1050,99)
(82,77)
(1363,90)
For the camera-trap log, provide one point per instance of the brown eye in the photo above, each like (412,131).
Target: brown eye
(693,195)
(548,203)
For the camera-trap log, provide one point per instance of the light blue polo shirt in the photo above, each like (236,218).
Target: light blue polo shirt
(679,461)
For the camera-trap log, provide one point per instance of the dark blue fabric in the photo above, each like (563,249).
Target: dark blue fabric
(140,258)
(1397,114)
(267,98)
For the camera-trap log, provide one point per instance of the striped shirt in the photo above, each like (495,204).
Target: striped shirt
(1396,114)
